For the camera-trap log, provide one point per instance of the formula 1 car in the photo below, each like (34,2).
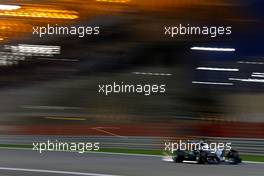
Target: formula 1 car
(207,156)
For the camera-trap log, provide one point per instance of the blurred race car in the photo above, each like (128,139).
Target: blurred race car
(207,156)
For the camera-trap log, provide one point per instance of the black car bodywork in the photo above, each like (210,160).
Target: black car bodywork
(206,156)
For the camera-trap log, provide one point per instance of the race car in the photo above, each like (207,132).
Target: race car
(207,156)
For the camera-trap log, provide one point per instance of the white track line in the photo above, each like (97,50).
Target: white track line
(52,171)
(213,83)
(252,162)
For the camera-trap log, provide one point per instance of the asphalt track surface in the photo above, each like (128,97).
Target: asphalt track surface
(31,163)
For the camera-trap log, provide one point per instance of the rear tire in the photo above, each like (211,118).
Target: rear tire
(179,157)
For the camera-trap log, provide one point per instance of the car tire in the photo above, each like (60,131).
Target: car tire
(179,157)
(202,158)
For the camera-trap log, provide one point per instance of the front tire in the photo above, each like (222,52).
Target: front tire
(202,157)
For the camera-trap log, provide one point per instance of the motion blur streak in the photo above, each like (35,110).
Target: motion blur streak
(247,62)
(114,1)
(35,49)
(213,49)
(63,71)
(247,80)
(218,69)
(9,7)
(256,73)
(259,76)
(40,13)
(66,118)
